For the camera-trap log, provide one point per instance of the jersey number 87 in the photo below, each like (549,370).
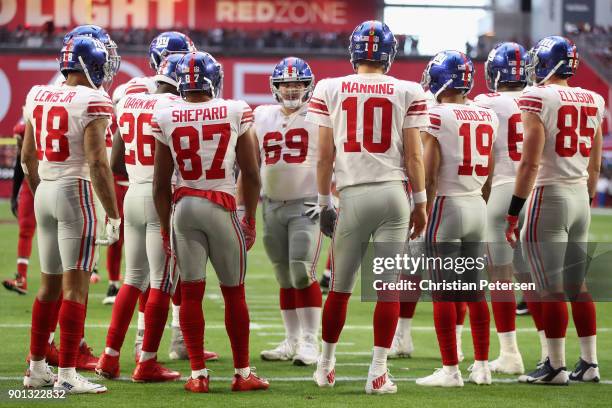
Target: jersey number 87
(188,157)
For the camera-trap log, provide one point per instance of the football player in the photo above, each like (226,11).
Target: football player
(561,159)
(203,137)
(63,150)
(458,145)
(146,260)
(287,154)
(506,77)
(22,206)
(369,126)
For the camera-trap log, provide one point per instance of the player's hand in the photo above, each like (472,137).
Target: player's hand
(166,242)
(418,221)
(313,211)
(113,228)
(240,211)
(512,231)
(248,228)
(14,206)
(327,220)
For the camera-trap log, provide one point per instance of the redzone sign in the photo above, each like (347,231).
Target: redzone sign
(332,15)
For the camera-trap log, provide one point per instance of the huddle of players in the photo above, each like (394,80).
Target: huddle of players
(179,146)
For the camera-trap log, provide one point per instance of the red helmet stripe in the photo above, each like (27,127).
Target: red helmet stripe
(192,71)
(67,52)
(467,70)
(371,41)
(517,56)
(289,66)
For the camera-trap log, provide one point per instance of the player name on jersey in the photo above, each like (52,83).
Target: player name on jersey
(54,96)
(472,115)
(356,87)
(138,103)
(581,97)
(194,115)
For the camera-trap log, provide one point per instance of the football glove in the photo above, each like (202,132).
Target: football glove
(512,231)
(112,228)
(248,228)
(313,211)
(327,220)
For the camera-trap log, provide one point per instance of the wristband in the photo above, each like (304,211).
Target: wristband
(516,205)
(420,197)
(325,200)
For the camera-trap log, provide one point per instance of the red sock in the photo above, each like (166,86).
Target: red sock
(460,309)
(176,298)
(334,315)
(286,298)
(142,300)
(445,320)
(555,319)
(409,298)
(27,227)
(123,310)
(54,317)
(480,321)
(156,314)
(237,323)
(71,320)
(42,313)
(584,315)
(535,310)
(385,322)
(503,304)
(86,303)
(192,321)
(309,297)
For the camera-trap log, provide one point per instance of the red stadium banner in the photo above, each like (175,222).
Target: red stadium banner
(324,15)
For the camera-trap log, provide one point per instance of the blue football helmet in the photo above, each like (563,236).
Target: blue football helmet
(449,70)
(169,42)
(167,69)
(292,69)
(97,32)
(552,55)
(89,56)
(373,41)
(506,64)
(199,71)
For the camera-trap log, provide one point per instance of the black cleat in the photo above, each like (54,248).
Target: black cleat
(521,309)
(547,375)
(111,294)
(324,283)
(585,372)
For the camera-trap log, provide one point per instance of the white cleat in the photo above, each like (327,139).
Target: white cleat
(585,372)
(480,374)
(380,384)
(307,352)
(178,350)
(508,363)
(33,379)
(283,352)
(440,378)
(325,376)
(402,347)
(77,384)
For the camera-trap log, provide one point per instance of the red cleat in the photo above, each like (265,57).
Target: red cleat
(108,366)
(152,371)
(19,284)
(210,356)
(86,360)
(251,383)
(52,356)
(199,384)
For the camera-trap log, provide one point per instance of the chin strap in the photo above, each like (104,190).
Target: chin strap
(86,71)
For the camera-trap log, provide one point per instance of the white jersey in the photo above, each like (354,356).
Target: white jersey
(59,116)
(571,116)
(134,86)
(508,146)
(288,150)
(367,113)
(466,134)
(134,117)
(202,138)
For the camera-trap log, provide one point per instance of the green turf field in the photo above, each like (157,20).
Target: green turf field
(292,386)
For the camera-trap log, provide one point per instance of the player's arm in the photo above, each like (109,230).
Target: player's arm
(118,156)
(433,158)
(486,188)
(162,184)
(325,164)
(18,175)
(29,159)
(415,170)
(594,163)
(249,181)
(99,169)
(239,193)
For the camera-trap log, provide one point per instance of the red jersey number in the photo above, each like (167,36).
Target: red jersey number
(186,143)
(349,105)
(56,148)
(295,139)
(514,137)
(567,141)
(134,128)
(483,138)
